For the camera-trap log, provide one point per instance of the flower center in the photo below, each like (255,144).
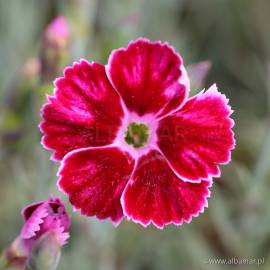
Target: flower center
(136,134)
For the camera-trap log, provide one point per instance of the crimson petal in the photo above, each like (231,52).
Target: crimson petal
(94,179)
(155,194)
(85,110)
(198,137)
(149,76)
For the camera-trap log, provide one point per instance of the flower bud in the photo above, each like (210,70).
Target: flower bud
(54,49)
(44,232)
(45,254)
(57,32)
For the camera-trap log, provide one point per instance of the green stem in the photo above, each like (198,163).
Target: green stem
(3,262)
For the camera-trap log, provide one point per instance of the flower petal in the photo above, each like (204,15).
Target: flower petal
(33,223)
(198,137)
(58,208)
(149,76)
(85,110)
(155,194)
(94,179)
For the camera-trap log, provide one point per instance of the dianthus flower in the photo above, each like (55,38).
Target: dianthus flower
(43,217)
(43,221)
(57,30)
(130,141)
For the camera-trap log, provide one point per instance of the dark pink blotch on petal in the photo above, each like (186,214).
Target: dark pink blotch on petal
(94,180)
(149,76)
(85,110)
(29,210)
(198,137)
(156,195)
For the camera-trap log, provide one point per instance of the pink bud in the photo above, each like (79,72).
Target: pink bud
(40,220)
(43,217)
(54,48)
(43,221)
(58,29)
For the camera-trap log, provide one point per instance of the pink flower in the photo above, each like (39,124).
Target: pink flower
(131,142)
(41,218)
(58,29)
(46,223)
(54,49)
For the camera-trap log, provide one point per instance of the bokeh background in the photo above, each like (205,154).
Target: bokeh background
(234,35)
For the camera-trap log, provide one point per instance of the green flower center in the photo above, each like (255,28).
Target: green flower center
(136,134)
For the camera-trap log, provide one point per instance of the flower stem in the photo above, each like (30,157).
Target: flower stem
(3,261)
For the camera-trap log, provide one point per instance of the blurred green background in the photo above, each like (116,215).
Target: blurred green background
(234,35)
